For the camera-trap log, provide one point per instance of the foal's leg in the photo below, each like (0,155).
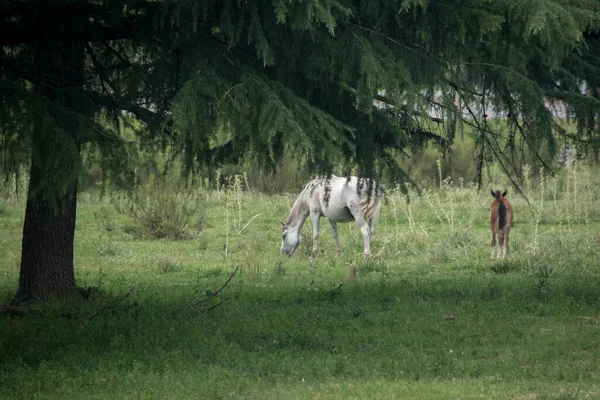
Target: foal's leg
(505,244)
(334,232)
(315,217)
(501,244)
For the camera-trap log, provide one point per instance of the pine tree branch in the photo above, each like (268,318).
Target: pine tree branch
(12,34)
(101,71)
(575,138)
(144,114)
(498,155)
(34,21)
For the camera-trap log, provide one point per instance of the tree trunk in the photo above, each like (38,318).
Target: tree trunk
(47,269)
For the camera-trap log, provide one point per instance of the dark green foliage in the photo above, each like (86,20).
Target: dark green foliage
(343,85)
(228,80)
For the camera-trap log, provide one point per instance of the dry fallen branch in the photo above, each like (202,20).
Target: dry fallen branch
(197,304)
(110,307)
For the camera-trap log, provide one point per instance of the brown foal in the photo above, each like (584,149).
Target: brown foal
(501,217)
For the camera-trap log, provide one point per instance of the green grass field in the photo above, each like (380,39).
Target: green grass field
(347,327)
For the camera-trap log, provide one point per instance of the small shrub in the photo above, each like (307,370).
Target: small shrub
(372,264)
(503,267)
(104,218)
(159,211)
(103,249)
(463,238)
(439,253)
(279,271)
(546,270)
(166,266)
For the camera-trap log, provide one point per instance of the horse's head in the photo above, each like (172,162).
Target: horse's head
(290,239)
(497,195)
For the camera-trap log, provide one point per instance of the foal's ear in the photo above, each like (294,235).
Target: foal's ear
(504,194)
(492,192)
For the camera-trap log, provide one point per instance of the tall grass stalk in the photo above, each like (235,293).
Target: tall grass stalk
(218,184)
(557,211)
(227,230)
(569,196)
(407,208)
(575,193)
(590,197)
(439,168)
(526,172)
(393,197)
(234,196)
(444,211)
(538,209)
(433,200)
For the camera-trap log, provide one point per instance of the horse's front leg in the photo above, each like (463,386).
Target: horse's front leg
(334,232)
(315,217)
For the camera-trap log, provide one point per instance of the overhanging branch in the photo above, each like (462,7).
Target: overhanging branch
(31,22)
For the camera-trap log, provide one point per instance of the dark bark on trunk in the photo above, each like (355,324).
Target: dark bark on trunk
(47,269)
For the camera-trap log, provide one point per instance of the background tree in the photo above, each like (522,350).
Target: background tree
(337,83)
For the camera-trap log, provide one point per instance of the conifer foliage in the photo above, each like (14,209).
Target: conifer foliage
(336,82)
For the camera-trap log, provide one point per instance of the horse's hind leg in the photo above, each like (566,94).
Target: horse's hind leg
(371,228)
(334,232)
(363,225)
(505,245)
(366,233)
(501,245)
(315,217)
(493,244)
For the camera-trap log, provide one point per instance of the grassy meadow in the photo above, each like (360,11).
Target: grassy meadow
(428,316)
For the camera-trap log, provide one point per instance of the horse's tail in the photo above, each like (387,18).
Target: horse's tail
(501,215)
(370,206)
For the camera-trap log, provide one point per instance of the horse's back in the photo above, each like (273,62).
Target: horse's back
(347,196)
(501,215)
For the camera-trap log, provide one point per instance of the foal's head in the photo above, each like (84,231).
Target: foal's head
(290,239)
(497,195)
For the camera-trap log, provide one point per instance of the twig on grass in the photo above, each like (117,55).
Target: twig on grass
(217,305)
(111,307)
(198,303)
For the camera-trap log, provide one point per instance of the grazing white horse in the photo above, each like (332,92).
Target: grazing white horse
(340,200)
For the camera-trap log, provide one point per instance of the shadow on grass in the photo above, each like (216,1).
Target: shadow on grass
(385,328)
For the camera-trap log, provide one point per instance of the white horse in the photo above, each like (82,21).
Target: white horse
(340,200)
